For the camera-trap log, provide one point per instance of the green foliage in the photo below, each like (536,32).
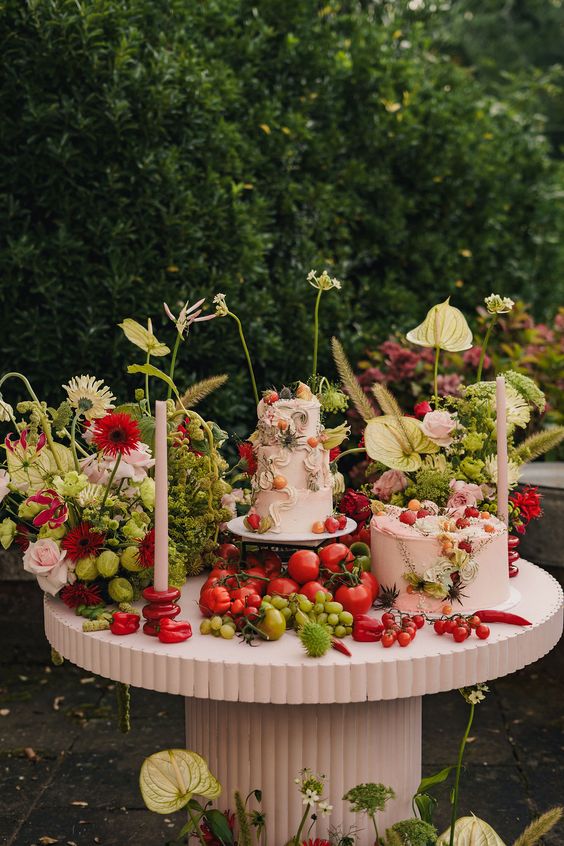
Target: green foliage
(369,798)
(158,150)
(413,833)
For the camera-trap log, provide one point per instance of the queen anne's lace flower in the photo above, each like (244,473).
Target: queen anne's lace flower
(323,282)
(90,396)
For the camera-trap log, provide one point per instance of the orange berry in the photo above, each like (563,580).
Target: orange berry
(282,425)
(489,528)
(409,589)
(447,609)
(318,528)
(485,515)
(414,505)
(313,442)
(279,482)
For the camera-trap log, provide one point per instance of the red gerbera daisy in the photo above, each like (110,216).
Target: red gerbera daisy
(147,550)
(116,434)
(81,594)
(248,457)
(82,541)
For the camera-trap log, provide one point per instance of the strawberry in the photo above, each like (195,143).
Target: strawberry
(408,517)
(471,512)
(252,521)
(462,523)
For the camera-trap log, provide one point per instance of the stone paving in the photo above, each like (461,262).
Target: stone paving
(68,776)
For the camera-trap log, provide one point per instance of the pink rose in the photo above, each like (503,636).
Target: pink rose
(464,495)
(438,426)
(47,563)
(390,482)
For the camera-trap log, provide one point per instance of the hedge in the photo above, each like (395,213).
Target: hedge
(156,150)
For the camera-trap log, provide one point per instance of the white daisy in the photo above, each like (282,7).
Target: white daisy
(90,396)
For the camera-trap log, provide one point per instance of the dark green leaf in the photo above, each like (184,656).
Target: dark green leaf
(219,827)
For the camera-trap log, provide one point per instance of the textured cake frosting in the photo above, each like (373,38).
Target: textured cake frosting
(435,561)
(292,485)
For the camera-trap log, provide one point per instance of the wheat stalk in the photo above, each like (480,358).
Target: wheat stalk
(350,382)
(539,827)
(536,445)
(196,393)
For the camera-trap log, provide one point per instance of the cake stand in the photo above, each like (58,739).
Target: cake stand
(284,539)
(260,715)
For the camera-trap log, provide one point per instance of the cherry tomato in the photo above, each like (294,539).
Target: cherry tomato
(303,566)
(335,554)
(310,589)
(370,580)
(356,599)
(450,626)
(404,638)
(253,600)
(439,626)
(229,552)
(460,633)
(241,593)
(474,622)
(283,586)
(419,620)
(388,619)
(237,607)
(273,624)
(483,631)
(250,613)
(388,639)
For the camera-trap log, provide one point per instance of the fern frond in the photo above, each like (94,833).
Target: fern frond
(350,382)
(536,445)
(386,400)
(539,827)
(196,393)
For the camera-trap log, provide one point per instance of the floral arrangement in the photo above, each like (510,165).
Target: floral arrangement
(76,488)
(169,780)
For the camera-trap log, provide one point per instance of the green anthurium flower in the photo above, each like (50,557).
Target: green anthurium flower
(143,338)
(397,442)
(170,778)
(471,831)
(444,327)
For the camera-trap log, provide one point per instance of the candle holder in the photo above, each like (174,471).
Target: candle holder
(161,604)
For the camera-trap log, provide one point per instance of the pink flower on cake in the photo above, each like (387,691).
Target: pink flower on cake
(4,484)
(464,495)
(390,482)
(47,563)
(439,426)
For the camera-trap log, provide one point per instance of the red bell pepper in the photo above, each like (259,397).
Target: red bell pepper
(174,631)
(367,629)
(502,617)
(124,623)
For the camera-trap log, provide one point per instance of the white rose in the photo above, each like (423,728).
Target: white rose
(47,563)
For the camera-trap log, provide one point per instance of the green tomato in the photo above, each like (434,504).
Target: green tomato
(359,548)
(364,562)
(273,624)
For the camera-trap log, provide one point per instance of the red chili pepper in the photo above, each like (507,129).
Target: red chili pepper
(174,631)
(367,629)
(124,623)
(340,647)
(502,617)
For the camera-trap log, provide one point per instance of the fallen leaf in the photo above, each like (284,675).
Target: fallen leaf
(80,804)
(57,702)
(88,680)
(4,712)
(30,753)
(46,841)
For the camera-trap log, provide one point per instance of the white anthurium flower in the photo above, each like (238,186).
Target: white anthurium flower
(445,327)
(143,338)
(188,315)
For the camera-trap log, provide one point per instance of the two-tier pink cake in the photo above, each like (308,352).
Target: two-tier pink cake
(440,558)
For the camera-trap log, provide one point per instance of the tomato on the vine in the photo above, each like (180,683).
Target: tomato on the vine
(259,584)
(272,564)
(229,552)
(356,599)
(273,625)
(214,600)
(303,565)
(370,580)
(214,577)
(311,588)
(334,555)
(283,586)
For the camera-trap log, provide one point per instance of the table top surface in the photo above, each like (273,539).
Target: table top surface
(280,672)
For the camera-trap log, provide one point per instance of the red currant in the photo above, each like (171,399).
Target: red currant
(483,631)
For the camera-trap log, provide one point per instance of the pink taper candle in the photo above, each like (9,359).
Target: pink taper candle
(501,431)
(161,498)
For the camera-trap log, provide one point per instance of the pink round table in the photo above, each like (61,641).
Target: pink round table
(260,715)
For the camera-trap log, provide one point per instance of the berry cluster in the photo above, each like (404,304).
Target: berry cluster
(462,627)
(400,628)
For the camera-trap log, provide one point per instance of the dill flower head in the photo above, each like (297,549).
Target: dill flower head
(89,396)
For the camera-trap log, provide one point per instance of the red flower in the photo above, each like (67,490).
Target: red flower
(356,506)
(248,457)
(82,542)
(22,536)
(334,453)
(147,550)
(81,594)
(528,502)
(420,409)
(55,512)
(316,842)
(116,434)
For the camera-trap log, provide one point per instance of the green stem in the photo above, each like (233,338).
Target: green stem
(196,824)
(73,441)
(348,452)
(147,400)
(375,829)
(458,771)
(46,426)
(247,356)
(436,376)
(173,363)
(484,347)
(316,331)
(110,480)
(299,831)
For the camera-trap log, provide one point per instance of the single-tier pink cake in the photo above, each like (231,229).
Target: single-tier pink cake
(440,559)
(293,485)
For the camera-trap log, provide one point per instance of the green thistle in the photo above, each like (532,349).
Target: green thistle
(315,639)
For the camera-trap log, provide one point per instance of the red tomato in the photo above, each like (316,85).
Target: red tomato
(370,580)
(229,552)
(259,584)
(254,600)
(215,600)
(283,586)
(303,566)
(310,589)
(356,599)
(333,555)
(213,578)
(363,535)
(242,593)
(237,607)
(272,564)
